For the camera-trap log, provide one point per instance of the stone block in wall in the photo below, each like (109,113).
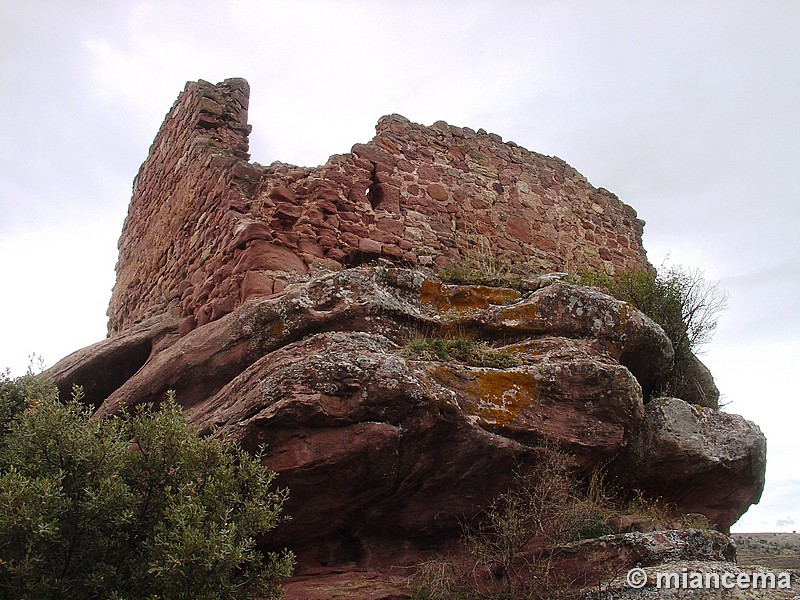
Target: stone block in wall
(260,255)
(369,247)
(256,283)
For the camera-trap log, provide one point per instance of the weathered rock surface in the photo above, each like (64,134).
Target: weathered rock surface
(572,311)
(277,302)
(358,434)
(590,562)
(703,460)
(383,454)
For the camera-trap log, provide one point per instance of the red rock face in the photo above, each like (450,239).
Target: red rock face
(206,229)
(385,455)
(703,460)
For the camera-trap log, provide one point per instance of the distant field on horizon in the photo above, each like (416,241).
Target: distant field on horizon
(772,550)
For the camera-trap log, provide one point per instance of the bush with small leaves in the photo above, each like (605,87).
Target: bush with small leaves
(133,507)
(15,395)
(680,300)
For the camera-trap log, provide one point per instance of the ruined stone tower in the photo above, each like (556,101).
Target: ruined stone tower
(206,229)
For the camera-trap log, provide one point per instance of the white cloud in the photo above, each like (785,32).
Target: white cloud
(777,511)
(56,286)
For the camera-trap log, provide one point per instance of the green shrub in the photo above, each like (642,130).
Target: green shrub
(136,507)
(15,394)
(679,300)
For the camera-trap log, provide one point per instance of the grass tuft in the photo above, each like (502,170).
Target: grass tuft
(477,354)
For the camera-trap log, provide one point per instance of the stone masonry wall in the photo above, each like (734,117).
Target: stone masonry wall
(206,229)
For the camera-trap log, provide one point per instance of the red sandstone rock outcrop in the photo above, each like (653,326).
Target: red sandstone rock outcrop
(703,460)
(243,288)
(358,431)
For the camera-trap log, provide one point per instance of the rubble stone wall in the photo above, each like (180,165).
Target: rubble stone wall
(207,229)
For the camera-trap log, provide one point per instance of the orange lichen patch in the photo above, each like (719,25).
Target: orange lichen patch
(496,398)
(522,318)
(615,347)
(623,312)
(464,297)
(503,396)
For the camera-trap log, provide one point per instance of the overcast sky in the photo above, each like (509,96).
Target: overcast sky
(688,110)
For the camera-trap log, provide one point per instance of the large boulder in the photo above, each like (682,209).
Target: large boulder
(572,311)
(378,456)
(702,460)
(358,433)
(562,393)
(385,453)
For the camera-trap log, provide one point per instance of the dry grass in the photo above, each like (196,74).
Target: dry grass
(480,263)
(477,354)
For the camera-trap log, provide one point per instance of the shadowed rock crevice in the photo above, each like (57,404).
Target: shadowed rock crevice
(103,368)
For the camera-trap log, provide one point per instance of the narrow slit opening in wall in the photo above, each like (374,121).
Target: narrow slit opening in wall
(374,191)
